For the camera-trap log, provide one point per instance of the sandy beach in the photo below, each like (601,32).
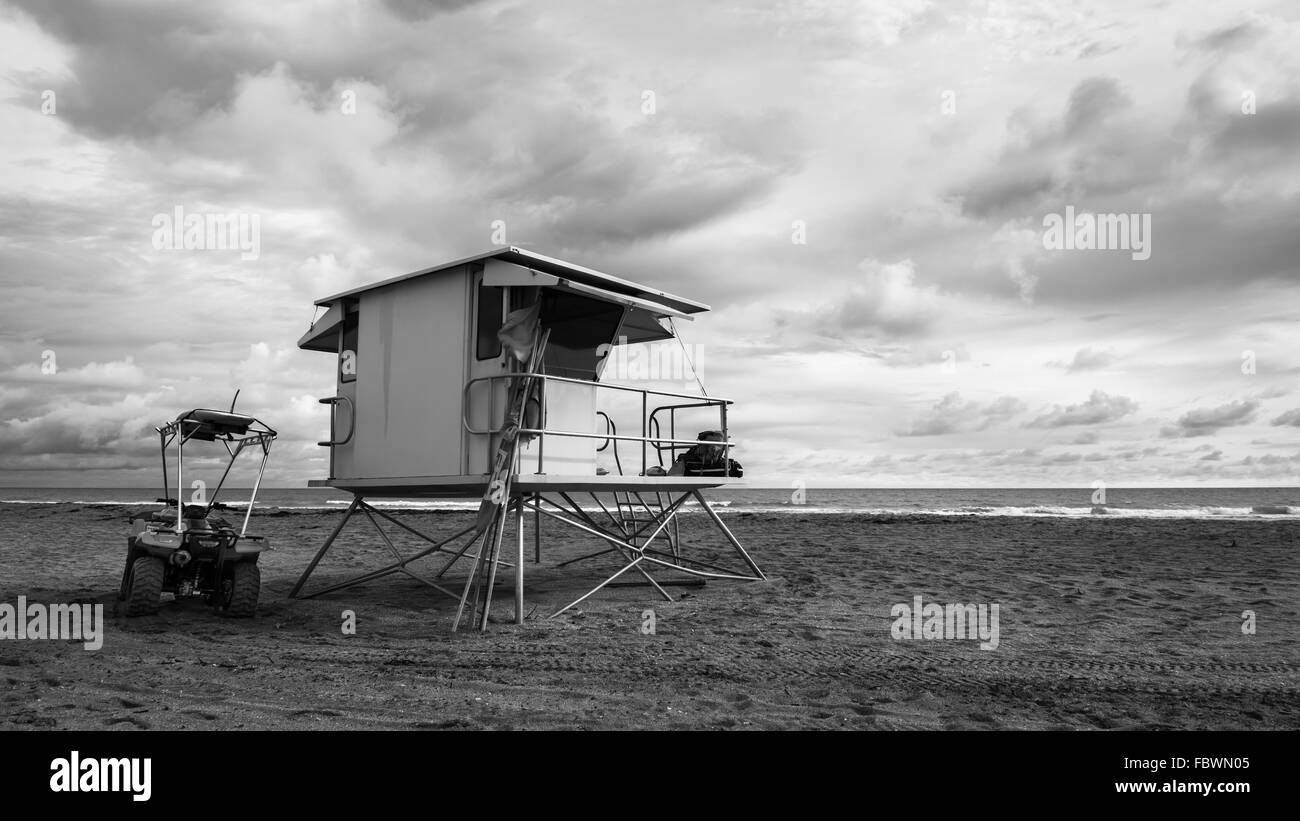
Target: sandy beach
(1105,623)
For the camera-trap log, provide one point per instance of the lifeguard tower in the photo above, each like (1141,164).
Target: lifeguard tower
(481,378)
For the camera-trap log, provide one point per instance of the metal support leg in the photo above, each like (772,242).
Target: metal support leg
(460,553)
(537,531)
(635,554)
(519,567)
(320,554)
(584,558)
(717,520)
(595,589)
(401,562)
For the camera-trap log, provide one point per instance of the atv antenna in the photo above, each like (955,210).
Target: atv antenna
(232,401)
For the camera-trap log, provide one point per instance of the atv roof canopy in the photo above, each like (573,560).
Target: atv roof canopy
(210,425)
(207,424)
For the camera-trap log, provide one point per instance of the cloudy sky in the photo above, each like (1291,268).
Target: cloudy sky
(860,189)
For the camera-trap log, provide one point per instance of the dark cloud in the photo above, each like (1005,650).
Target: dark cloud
(144,69)
(1098,48)
(664,208)
(581,182)
(1099,408)
(1205,421)
(1190,250)
(1001,409)
(1273,460)
(1092,103)
(1291,417)
(1009,191)
(948,415)
(1092,151)
(1230,38)
(419,10)
(882,302)
(952,414)
(1270,132)
(104,429)
(130,61)
(1101,157)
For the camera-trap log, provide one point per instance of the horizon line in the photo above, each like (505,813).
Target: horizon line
(742,486)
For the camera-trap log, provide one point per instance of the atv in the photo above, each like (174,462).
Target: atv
(184,549)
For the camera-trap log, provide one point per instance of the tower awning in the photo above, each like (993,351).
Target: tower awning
(323,334)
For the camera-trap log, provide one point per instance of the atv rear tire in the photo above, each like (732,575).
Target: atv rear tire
(241,590)
(144,596)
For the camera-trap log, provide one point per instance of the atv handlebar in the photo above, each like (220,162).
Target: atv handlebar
(213,506)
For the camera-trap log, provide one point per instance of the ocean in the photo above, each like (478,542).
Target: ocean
(1236,502)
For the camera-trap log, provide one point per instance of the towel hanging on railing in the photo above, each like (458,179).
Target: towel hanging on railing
(519,333)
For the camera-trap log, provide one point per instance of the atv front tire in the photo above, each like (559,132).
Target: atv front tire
(144,596)
(240,591)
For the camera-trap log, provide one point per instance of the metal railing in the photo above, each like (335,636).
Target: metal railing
(647,439)
(672,428)
(352,420)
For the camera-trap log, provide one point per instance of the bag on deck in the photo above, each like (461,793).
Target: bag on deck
(707,459)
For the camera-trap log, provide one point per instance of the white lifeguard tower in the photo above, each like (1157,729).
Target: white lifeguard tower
(436,399)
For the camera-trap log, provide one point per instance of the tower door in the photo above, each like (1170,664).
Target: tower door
(486,400)
(344,411)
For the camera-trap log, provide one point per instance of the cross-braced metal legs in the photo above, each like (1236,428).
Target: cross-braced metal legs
(633,540)
(399,566)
